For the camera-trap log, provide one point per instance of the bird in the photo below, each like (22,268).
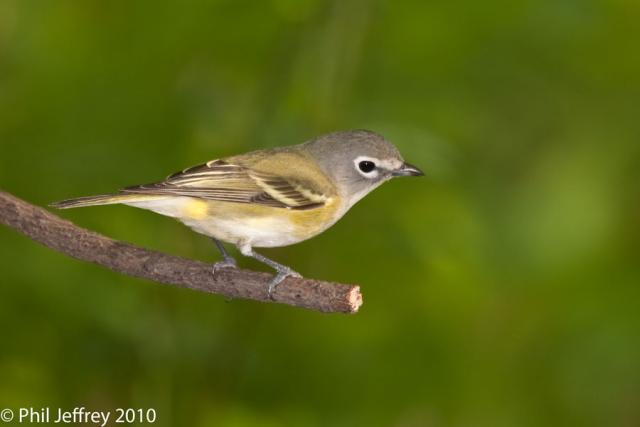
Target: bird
(271,197)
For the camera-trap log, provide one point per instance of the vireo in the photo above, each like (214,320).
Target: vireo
(269,198)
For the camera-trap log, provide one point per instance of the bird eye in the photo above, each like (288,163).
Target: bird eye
(366,166)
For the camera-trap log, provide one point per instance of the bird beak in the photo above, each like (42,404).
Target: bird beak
(407,170)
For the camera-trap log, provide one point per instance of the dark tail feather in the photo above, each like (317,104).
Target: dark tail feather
(102,199)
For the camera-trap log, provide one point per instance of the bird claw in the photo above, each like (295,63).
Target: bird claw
(220,265)
(283,274)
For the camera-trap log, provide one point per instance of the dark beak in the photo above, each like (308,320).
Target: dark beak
(407,170)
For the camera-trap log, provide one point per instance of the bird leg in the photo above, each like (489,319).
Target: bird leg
(228,261)
(282,270)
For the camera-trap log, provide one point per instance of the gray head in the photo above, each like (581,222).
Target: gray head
(358,161)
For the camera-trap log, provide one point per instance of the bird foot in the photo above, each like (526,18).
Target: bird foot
(221,265)
(282,274)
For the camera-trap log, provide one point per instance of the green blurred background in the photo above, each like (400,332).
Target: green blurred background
(501,290)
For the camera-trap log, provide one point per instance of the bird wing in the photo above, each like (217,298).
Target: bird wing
(223,180)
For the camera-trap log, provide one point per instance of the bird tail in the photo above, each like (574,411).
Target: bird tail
(102,199)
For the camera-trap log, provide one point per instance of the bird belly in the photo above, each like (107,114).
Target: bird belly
(257,231)
(243,223)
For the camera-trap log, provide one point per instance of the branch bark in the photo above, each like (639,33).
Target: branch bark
(63,236)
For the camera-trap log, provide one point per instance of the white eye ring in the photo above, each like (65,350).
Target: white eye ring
(367,166)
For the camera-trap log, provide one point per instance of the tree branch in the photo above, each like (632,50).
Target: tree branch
(65,237)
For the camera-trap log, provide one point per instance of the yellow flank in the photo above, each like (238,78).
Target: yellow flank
(196,209)
(308,223)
